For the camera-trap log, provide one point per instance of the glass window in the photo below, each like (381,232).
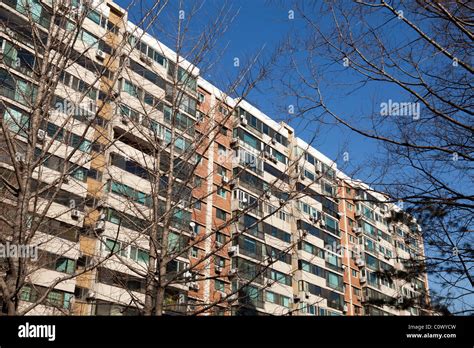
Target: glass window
(65,265)
(221,150)
(220,214)
(221,192)
(55,298)
(219,285)
(271,297)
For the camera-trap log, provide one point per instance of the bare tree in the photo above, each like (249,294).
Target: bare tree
(54,135)
(418,88)
(175,178)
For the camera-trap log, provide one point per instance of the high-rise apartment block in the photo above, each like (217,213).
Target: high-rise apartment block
(269,225)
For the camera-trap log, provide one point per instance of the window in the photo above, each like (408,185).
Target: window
(223,130)
(219,261)
(65,265)
(279,156)
(354,273)
(27,294)
(328,189)
(334,281)
(221,150)
(194,252)
(219,285)
(310,158)
(222,192)
(197,205)
(220,214)
(221,171)
(350,206)
(197,181)
(201,97)
(271,297)
(309,175)
(139,255)
(55,298)
(115,247)
(279,277)
(220,238)
(332,225)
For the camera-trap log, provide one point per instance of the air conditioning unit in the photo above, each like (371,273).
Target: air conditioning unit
(273,141)
(357,215)
(232,272)
(317,168)
(234,142)
(234,182)
(41,136)
(90,295)
(243,120)
(225,180)
(386,257)
(144,58)
(99,226)
(125,120)
(75,214)
(100,54)
(400,300)
(218,269)
(268,194)
(304,294)
(339,214)
(282,201)
(360,263)
(345,308)
(194,286)
(362,279)
(273,159)
(233,250)
(114,95)
(296,298)
(357,230)
(322,223)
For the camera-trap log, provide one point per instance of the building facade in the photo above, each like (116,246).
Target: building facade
(261,223)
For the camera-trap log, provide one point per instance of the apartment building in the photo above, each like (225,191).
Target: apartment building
(262,223)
